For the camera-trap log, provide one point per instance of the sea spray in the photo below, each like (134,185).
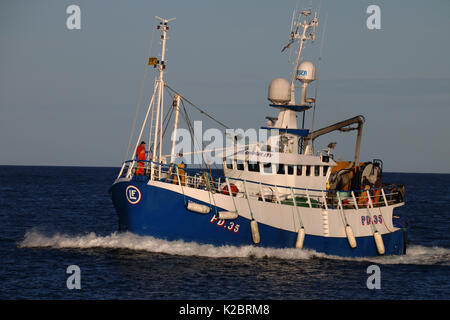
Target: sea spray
(126,240)
(416,254)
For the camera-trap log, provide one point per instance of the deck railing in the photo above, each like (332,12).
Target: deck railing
(194,178)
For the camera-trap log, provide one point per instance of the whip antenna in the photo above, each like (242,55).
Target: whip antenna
(318,70)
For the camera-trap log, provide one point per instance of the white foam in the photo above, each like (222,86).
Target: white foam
(416,254)
(131,241)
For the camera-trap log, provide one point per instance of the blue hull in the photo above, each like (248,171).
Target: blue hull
(162,214)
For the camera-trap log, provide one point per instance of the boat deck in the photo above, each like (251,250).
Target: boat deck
(388,195)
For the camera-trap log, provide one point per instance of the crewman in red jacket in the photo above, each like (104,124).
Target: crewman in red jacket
(140,155)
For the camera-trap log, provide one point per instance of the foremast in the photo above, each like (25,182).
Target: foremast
(155,109)
(161,66)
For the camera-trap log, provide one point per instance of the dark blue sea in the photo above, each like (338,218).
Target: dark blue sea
(55,217)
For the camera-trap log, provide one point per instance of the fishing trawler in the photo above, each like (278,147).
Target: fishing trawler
(278,193)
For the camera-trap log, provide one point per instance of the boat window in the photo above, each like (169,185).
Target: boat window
(267,168)
(240,164)
(308,171)
(290,169)
(325,170)
(280,169)
(299,170)
(229,163)
(253,166)
(317,171)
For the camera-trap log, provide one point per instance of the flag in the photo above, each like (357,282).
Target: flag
(152,61)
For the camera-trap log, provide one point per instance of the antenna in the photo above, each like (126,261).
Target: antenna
(292,22)
(165,20)
(318,70)
(290,35)
(302,25)
(313,34)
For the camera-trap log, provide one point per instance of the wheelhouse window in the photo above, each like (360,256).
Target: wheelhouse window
(290,169)
(229,163)
(267,167)
(317,171)
(308,171)
(325,170)
(240,164)
(281,169)
(253,166)
(299,170)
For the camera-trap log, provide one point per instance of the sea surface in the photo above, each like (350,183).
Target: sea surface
(55,217)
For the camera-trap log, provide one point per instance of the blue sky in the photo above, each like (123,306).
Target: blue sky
(68,97)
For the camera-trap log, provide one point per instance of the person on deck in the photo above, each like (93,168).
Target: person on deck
(179,162)
(179,159)
(140,155)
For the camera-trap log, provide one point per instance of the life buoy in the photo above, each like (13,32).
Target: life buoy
(346,203)
(224,189)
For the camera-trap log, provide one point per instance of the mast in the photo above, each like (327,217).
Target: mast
(161,66)
(176,105)
(303,28)
(306,34)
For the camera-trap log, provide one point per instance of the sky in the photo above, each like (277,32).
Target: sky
(68,97)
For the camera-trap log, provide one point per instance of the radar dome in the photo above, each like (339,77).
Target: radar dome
(306,72)
(279,91)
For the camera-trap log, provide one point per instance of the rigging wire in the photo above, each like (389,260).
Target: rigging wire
(138,106)
(204,154)
(191,131)
(189,124)
(169,116)
(198,108)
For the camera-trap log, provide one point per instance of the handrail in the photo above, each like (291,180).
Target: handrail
(196,181)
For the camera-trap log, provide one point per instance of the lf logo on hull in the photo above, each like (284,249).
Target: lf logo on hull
(133,194)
